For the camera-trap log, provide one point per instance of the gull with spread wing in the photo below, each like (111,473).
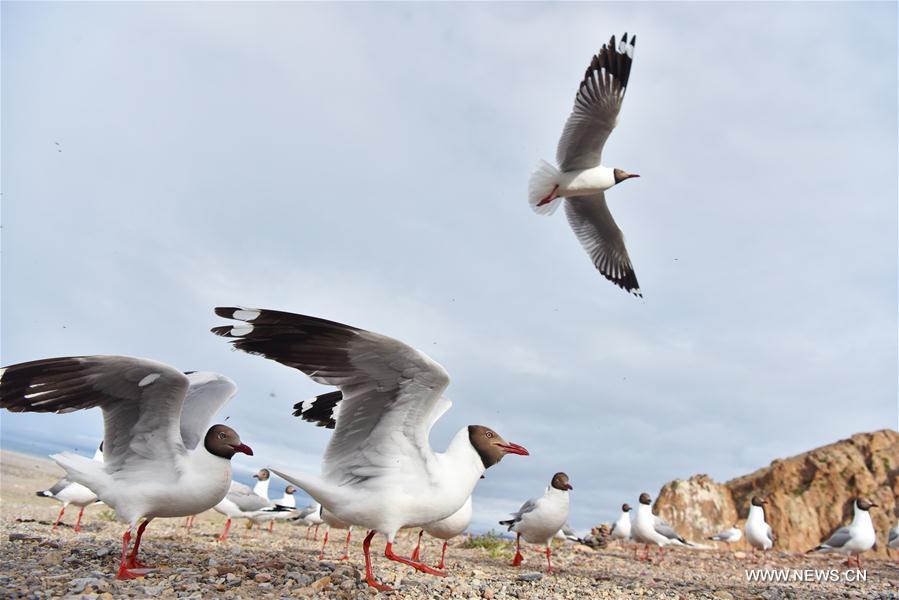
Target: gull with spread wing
(160,457)
(581,179)
(379,470)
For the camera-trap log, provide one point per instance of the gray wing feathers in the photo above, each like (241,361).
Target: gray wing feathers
(59,486)
(245,499)
(596,107)
(839,538)
(389,389)
(663,528)
(596,230)
(141,400)
(207,394)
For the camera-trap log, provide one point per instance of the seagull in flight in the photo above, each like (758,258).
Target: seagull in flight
(581,179)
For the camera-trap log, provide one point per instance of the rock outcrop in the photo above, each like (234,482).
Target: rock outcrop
(809,495)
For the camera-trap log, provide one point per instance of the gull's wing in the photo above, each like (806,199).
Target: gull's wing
(600,236)
(319,410)
(57,487)
(839,538)
(141,401)
(663,528)
(527,507)
(207,393)
(596,106)
(893,535)
(389,389)
(770,533)
(245,499)
(322,410)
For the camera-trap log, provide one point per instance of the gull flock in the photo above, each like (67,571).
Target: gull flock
(163,456)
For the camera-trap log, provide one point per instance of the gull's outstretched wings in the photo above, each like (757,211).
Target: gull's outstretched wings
(141,401)
(596,106)
(389,389)
(600,236)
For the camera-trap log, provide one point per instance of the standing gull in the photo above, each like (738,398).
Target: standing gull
(730,536)
(621,529)
(858,537)
(70,492)
(758,532)
(379,470)
(648,529)
(161,458)
(538,519)
(243,502)
(581,179)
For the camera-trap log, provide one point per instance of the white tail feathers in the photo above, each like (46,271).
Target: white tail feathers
(543,184)
(86,471)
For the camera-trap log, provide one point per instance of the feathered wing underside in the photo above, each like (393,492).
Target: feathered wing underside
(596,106)
(596,230)
(207,394)
(322,410)
(389,389)
(141,401)
(894,534)
(319,410)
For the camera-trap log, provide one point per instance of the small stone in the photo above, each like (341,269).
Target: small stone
(262,578)
(320,584)
(530,577)
(487,593)
(723,595)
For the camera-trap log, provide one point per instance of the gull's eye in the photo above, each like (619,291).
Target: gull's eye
(221,435)
(489,434)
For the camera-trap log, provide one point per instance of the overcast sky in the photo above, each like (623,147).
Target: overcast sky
(368,163)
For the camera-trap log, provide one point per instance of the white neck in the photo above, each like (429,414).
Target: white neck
(261,488)
(756,513)
(861,518)
(644,510)
(463,462)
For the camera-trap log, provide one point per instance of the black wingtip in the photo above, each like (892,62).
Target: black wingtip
(225,311)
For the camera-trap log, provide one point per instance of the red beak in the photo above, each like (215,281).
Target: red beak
(570,487)
(632,175)
(511,448)
(243,448)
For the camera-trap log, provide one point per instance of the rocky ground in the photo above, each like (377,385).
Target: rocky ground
(38,563)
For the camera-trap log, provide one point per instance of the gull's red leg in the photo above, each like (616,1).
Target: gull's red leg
(124,573)
(133,563)
(224,535)
(388,552)
(369,576)
(271,526)
(308,532)
(321,553)
(59,518)
(346,548)
(315,537)
(549,562)
(442,564)
(416,553)
(549,197)
(78,520)
(518,557)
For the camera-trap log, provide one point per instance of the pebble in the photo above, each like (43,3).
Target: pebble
(530,577)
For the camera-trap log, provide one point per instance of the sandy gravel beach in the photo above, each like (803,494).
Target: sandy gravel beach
(36,563)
